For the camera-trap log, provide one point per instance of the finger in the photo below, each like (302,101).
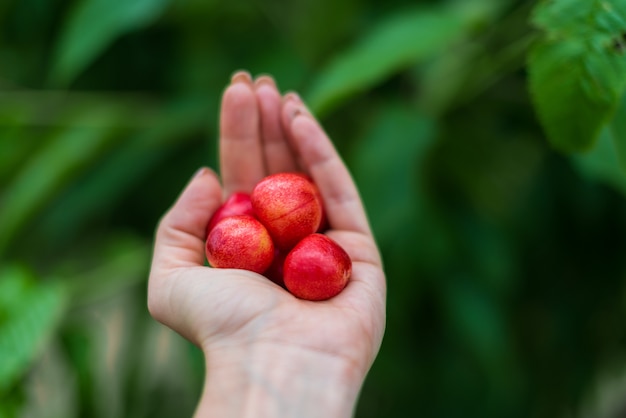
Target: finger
(276,148)
(181,233)
(241,157)
(320,159)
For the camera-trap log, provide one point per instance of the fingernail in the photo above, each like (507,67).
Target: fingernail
(292,95)
(295,112)
(202,171)
(241,76)
(264,80)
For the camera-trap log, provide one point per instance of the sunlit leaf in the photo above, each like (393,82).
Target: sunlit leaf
(393,44)
(578,70)
(29,314)
(93,26)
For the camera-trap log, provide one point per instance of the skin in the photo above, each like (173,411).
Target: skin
(269,354)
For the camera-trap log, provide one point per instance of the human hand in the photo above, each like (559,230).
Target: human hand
(267,352)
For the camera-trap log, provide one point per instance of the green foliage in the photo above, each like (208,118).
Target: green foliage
(499,213)
(394,44)
(617,131)
(92,26)
(29,315)
(578,69)
(55,161)
(383,161)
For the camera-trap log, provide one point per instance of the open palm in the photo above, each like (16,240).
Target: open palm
(224,310)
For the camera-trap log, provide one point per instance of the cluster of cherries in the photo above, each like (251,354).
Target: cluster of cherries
(275,231)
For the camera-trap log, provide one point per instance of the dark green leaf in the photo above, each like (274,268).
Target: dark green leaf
(602,163)
(563,18)
(480,323)
(93,26)
(395,43)
(69,151)
(106,184)
(386,167)
(577,74)
(607,161)
(617,130)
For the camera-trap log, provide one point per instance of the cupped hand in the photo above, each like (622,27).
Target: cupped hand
(227,310)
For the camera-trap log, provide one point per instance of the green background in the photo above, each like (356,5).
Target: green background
(505,258)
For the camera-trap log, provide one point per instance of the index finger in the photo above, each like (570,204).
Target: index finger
(241,155)
(320,159)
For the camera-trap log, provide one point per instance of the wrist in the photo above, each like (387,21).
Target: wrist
(270,381)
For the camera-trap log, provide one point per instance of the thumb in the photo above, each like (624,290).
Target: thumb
(182,231)
(179,244)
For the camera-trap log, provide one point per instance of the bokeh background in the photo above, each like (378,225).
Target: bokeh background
(505,258)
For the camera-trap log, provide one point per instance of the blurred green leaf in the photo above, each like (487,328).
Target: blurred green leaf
(64,154)
(9,407)
(479,321)
(102,188)
(602,162)
(578,70)
(490,254)
(570,17)
(480,326)
(607,161)
(467,69)
(394,43)
(386,166)
(14,149)
(50,108)
(29,314)
(479,12)
(93,26)
(114,264)
(617,130)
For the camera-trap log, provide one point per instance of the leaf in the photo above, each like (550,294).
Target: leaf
(602,163)
(386,167)
(563,17)
(617,130)
(116,263)
(106,184)
(29,313)
(607,161)
(397,42)
(578,70)
(68,152)
(93,26)
(480,322)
